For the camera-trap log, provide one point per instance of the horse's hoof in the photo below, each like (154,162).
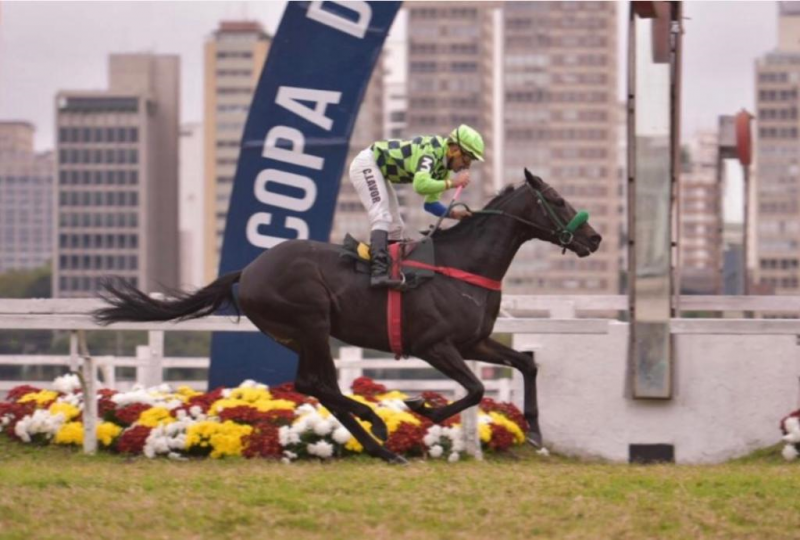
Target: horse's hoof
(397,460)
(534,438)
(416,404)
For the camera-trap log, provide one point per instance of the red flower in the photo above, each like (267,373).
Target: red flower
(509,410)
(364,386)
(434,399)
(262,442)
(407,439)
(204,401)
(18,392)
(105,406)
(249,415)
(132,440)
(502,439)
(286,391)
(795,414)
(15,412)
(129,414)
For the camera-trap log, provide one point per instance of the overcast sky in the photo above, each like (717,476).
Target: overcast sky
(50,46)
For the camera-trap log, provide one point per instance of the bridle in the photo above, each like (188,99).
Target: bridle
(564,233)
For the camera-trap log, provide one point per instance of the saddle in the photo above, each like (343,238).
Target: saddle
(421,251)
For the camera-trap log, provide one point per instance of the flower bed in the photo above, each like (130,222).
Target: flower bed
(252,420)
(790,427)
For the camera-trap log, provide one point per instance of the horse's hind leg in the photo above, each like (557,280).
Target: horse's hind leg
(492,352)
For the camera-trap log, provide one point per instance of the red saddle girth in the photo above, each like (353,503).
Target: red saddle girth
(394,304)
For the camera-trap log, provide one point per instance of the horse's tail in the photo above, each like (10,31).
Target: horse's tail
(130,304)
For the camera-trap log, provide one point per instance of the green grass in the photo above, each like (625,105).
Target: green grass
(60,493)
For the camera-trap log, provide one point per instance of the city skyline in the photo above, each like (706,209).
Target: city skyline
(711,87)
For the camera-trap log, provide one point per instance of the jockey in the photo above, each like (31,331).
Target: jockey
(424,162)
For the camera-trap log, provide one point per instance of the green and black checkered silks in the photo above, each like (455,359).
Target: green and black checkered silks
(399,160)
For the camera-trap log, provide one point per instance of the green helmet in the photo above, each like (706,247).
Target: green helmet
(468,139)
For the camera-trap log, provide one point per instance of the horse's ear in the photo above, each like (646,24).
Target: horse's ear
(532,180)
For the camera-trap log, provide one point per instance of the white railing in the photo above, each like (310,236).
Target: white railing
(554,315)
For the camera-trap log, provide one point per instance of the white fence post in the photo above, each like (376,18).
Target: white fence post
(89,396)
(155,364)
(348,372)
(469,422)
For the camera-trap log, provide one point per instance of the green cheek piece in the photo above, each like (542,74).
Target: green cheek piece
(565,236)
(579,219)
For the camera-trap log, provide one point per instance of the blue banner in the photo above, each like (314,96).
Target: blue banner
(293,151)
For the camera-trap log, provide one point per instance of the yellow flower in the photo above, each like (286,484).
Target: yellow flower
(250,395)
(70,433)
(485,432)
(107,432)
(352,444)
(41,397)
(69,411)
(394,394)
(393,418)
(261,405)
(224,438)
(154,417)
(515,430)
(184,393)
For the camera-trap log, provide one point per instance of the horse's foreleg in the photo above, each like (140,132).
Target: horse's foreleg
(492,352)
(446,359)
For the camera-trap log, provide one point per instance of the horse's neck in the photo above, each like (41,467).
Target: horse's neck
(486,249)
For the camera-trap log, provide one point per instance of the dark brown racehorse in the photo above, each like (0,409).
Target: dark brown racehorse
(301,293)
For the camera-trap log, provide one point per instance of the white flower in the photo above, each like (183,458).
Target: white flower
(322,428)
(40,422)
(789,452)
(196,411)
(289,454)
(283,435)
(453,457)
(226,393)
(436,451)
(305,408)
(323,449)
(67,384)
(286,461)
(341,435)
(176,456)
(543,451)
(792,427)
(430,440)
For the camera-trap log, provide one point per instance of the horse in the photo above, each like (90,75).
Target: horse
(300,293)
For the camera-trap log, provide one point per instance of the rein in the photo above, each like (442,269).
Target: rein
(564,233)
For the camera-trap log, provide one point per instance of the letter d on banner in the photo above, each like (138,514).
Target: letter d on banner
(292,156)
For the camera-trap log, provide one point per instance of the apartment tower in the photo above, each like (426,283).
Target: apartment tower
(117,169)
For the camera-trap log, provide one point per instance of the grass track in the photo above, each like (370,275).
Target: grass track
(60,493)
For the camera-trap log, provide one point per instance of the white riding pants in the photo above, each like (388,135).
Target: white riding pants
(377,196)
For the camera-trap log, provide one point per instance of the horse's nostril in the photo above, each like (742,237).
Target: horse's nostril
(596,239)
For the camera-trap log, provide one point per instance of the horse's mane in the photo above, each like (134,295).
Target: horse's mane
(475,220)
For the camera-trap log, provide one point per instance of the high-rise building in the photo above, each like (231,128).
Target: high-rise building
(26,199)
(777,158)
(560,120)
(700,243)
(191,209)
(117,170)
(234,56)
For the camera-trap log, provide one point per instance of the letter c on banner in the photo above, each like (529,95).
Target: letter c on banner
(266,241)
(297,181)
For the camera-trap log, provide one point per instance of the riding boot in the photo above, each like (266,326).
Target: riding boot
(380,261)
